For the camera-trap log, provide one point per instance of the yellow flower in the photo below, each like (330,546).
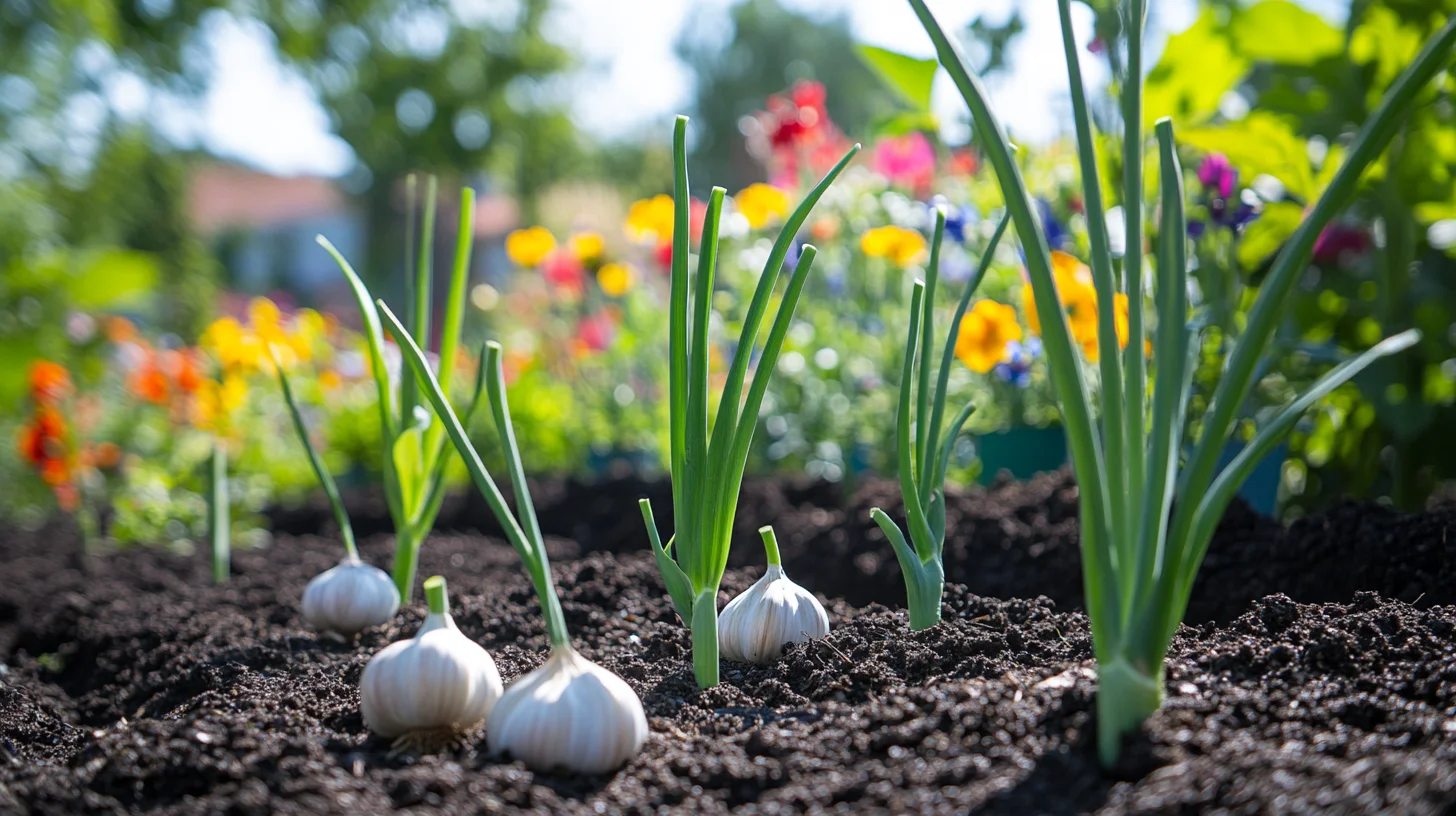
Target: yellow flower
(984,335)
(529,247)
(650,220)
(901,246)
(615,279)
(762,204)
(263,313)
(587,246)
(234,346)
(1079,299)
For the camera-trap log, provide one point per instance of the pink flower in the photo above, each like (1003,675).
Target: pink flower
(563,270)
(908,160)
(596,333)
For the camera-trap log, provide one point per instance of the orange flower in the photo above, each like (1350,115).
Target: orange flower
(189,371)
(120,330)
(149,381)
(1079,300)
(49,381)
(985,334)
(106,455)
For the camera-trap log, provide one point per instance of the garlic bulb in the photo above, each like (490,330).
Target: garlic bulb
(349,598)
(754,626)
(439,680)
(570,713)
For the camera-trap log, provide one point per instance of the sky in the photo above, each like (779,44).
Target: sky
(258,113)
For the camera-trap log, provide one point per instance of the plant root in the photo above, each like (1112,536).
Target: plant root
(446,739)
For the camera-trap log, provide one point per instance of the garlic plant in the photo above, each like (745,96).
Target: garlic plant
(349,597)
(754,626)
(353,595)
(540,719)
(438,682)
(570,713)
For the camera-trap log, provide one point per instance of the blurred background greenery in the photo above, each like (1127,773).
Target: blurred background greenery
(154,181)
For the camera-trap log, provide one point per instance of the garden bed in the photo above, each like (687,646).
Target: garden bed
(129,683)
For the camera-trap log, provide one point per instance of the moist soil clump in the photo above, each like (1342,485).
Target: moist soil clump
(130,684)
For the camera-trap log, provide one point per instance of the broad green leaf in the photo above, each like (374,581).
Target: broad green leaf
(1382,39)
(1268,232)
(905,122)
(1257,145)
(409,466)
(111,278)
(907,76)
(1281,31)
(1197,68)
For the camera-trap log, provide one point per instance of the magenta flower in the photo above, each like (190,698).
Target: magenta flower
(908,161)
(1218,175)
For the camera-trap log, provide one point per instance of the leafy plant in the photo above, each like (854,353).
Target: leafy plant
(414,448)
(706,475)
(1140,553)
(924,453)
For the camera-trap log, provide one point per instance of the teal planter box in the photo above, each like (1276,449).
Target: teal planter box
(1022,452)
(1261,489)
(1025,452)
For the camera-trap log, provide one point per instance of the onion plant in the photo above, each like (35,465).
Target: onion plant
(924,453)
(707,472)
(1148,504)
(415,451)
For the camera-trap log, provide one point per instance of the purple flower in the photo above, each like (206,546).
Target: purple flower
(1196,229)
(1218,175)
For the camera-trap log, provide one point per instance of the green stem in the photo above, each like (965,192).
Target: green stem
(771,545)
(705,638)
(924,587)
(435,595)
(406,561)
(1135,362)
(1126,695)
(219,517)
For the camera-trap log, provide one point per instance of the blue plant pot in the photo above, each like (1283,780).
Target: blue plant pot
(1261,489)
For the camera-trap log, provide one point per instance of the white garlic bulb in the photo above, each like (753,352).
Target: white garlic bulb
(570,713)
(350,598)
(438,680)
(754,626)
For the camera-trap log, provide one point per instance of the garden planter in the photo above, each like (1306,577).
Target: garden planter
(133,685)
(1025,452)
(1022,452)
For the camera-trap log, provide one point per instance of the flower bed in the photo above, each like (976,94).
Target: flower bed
(133,685)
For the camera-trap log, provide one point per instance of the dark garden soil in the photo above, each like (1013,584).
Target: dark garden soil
(129,684)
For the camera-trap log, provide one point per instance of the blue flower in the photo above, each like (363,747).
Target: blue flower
(1056,234)
(1017,368)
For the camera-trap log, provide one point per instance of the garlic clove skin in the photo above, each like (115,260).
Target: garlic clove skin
(349,598)
(439,679)
(754,626)
(570,713)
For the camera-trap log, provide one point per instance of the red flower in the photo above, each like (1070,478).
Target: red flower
(563,269)
(596,333)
